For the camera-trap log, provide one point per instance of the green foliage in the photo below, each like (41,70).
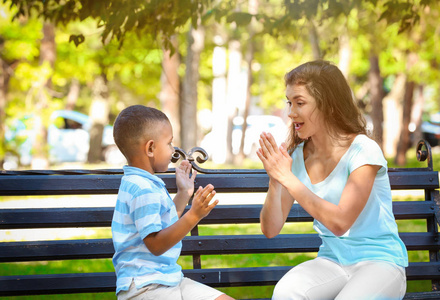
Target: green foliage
(166,17)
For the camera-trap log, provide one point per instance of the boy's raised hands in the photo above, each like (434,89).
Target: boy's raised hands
(200,204)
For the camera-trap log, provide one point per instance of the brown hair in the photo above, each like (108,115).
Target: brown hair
(136,124)
(334,98)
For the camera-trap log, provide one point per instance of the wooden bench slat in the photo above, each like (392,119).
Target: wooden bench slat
(228,183)
(222,214)
(192,245)
(106,282)
(44,284)
(422,295)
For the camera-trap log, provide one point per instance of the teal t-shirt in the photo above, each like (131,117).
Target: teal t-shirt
(374,235)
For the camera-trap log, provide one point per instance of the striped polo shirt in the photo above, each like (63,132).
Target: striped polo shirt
(143,207)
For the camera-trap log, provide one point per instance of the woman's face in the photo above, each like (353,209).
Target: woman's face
(306,117)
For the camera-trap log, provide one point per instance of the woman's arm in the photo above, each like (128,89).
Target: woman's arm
(337,218)
(278,201)
(275,210)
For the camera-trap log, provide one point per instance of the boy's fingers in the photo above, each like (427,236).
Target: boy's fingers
(208,197)
(194,174)
(213,204)
(199,190)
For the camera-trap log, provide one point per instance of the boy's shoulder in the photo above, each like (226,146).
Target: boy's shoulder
(141,178)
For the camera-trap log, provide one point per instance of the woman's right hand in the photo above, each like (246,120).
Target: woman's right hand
(276,161)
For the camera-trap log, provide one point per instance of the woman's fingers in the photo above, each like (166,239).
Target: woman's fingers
(268,144)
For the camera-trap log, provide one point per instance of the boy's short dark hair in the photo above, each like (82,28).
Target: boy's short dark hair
(136,124)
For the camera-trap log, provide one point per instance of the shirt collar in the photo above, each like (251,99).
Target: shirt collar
(129,170)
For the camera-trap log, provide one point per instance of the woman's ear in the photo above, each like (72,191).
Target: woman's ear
(149,148)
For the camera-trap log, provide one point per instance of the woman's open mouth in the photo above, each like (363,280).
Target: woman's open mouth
(298,126)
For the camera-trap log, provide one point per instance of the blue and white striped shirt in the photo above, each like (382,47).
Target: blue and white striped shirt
(143,207)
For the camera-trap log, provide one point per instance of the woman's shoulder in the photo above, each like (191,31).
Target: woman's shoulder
(365,142)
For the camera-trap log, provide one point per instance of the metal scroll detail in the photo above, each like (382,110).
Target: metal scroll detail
(202,156)
(424,153)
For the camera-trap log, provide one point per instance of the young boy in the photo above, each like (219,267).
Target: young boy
(147,229)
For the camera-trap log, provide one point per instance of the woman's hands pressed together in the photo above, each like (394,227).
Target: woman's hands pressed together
(276,160)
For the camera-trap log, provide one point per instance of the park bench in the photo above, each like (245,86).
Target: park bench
(199,247)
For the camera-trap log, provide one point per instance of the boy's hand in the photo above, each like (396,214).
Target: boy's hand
(200,205)
(185,182)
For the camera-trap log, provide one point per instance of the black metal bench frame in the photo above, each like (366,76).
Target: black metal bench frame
(92,182)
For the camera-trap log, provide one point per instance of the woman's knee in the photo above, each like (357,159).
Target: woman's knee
(290,287)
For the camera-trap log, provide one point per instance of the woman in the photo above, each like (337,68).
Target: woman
(339,176)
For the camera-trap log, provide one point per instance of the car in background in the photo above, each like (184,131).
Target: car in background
(256,124)
(68,138)
(431,129)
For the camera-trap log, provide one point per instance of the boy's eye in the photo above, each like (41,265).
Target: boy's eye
(289,103)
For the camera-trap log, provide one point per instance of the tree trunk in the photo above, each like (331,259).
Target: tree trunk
(189,132)
(219,119)
(404,142)
(417,113)
(170,93)
(4,81)
(253,9)
(392,109)
(73,94)
(47,54)
(233,95)
(99,112)
(344,53)
(403,145)
(314,40)
(376,95)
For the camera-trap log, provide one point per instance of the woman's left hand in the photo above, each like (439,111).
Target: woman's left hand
(276,160)
(185,182)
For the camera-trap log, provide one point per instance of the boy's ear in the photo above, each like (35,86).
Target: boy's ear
(149,148)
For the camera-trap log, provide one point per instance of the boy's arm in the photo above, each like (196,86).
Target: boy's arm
(163,240)
(185,186)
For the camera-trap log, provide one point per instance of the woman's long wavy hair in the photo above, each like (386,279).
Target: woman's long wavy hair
(334,98)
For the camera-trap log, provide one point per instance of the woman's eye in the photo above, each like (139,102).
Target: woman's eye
(289,103)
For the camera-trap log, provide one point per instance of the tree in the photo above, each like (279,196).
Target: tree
(166,17)
(40,158)
(170,93)
(118,21)
(4,81)
(188,117)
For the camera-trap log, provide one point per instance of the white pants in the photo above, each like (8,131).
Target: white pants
(187,290)
(322,279)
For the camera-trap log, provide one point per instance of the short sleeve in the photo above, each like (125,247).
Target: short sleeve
(145,212)
(367,152)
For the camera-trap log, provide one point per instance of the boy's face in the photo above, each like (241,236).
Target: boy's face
(163,149)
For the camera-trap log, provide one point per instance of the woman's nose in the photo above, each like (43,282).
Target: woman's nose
(293,113)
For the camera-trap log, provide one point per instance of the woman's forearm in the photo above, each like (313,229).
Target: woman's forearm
(273,216)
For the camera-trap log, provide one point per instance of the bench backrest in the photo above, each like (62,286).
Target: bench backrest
(93,182)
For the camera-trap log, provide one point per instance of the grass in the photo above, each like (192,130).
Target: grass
(412,161)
